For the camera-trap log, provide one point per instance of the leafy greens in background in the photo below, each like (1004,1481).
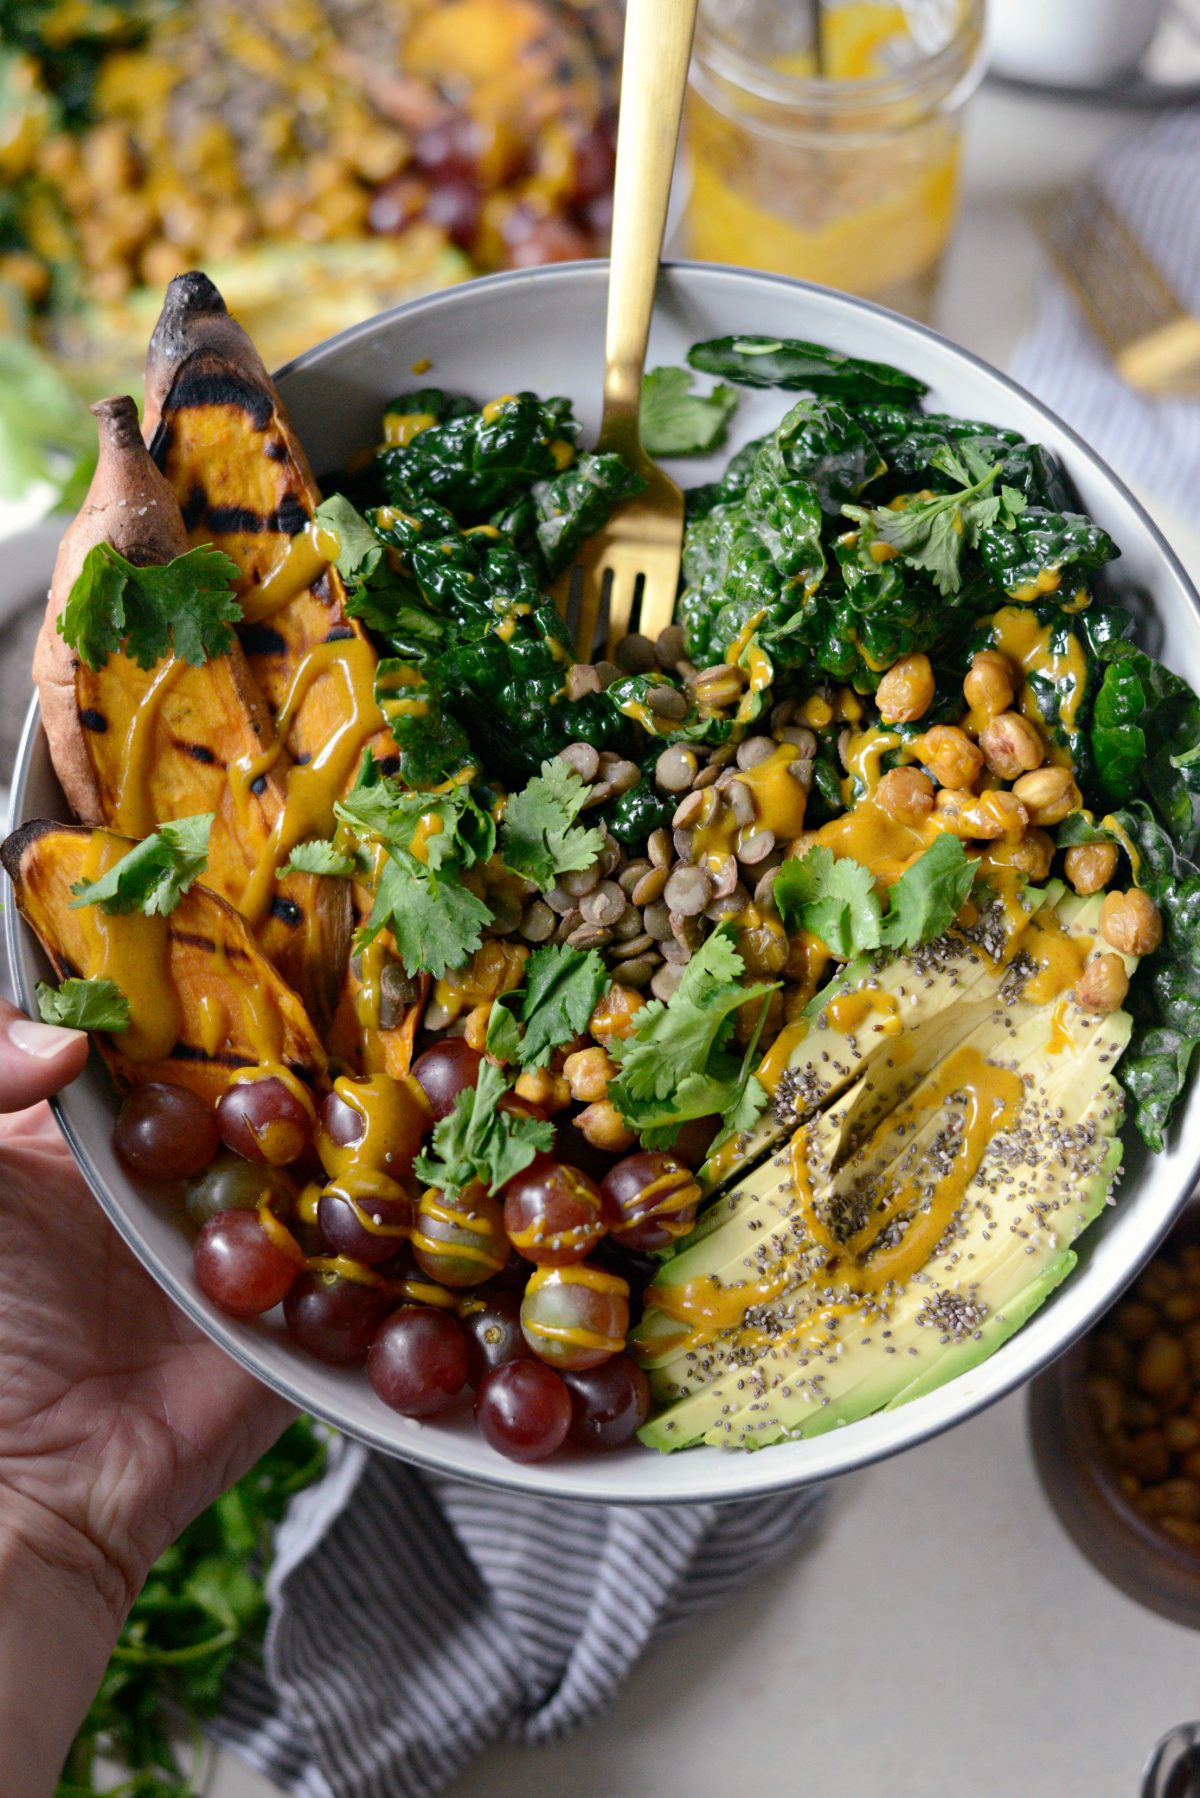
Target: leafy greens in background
(46,434)
(789,362)
(204,1602)
(674,421)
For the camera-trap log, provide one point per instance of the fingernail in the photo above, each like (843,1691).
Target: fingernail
(43,1040)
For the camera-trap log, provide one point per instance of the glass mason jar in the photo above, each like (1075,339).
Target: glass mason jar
(837,164)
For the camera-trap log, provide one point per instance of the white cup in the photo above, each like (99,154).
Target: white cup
(1070,43)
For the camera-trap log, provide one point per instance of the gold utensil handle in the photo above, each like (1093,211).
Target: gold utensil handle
(658,46)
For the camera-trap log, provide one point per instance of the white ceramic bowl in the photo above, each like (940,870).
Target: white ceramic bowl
(545,329)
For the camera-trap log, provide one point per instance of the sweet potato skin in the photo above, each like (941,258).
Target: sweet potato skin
(136,748)
(233,1009)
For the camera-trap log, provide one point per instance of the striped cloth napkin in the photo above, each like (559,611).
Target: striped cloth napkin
(1154,182)
(415,1620)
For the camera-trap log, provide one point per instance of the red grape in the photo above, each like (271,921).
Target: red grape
(365,1218)
(165,1132)
(576,1316)
(460,1241)
(454,205)
(550,240)
(650,1200)
(553,1213)
(398,204)
(265,1120)
(448,148)
(332,1316)
(445,1071)
(594,158)
(240,1267)
(609,1403)
(377,1123)
(523,1410)
(418,1361)
(232,1184)
(492,1326)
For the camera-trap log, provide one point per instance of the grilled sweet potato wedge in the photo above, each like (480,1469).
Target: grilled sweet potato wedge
(204,1001)
(135,748)
(217,428)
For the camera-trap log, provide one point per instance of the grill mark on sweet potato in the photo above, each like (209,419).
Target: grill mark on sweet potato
(200,752)
(287,911)
(339,633)
(91,719)
(213,387)
(192,508)
(262,640)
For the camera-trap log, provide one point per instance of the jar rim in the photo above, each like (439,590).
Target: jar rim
(947,77)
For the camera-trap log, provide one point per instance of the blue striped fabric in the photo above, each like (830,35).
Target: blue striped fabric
(416,1620)
(1154,182)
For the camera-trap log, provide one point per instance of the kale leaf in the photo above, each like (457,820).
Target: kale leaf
(478,461)
(812,367)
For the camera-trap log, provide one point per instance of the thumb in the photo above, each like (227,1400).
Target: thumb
(36,1059)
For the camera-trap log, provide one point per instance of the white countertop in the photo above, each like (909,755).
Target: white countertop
(943,1636)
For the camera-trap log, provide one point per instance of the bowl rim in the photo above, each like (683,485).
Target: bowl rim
(555,1479)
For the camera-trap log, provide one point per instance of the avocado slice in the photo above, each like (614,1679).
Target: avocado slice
(858,1015)
(810,1354)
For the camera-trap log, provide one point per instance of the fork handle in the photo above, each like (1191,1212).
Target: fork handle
(658,46)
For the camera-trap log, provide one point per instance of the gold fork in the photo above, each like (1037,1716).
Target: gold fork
(636,555)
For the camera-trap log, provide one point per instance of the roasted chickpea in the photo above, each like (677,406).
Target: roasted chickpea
(1011,747)
(1131,922)
(906,690)
(1103,984)
(538,1086)
(988,687)
(614,1013)
(990,816)
(952,756)
(475,1027)
(588,1073)
(1032,855)
(906,795)
(604,1127)
(1090,866)
(1048,794)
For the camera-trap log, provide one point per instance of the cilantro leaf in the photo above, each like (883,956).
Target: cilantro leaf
(930,533)
(84,1005)
(833,898)
(477,1141)
(419,895)
(319,857)
(359,549)
(155,874)
(437,924)
(674,1065)
(562,986)
(673,421)
(538,834)
(929,895)
(503,1040)
(186,606)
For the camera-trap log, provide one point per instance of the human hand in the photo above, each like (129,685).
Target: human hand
(119,1420)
